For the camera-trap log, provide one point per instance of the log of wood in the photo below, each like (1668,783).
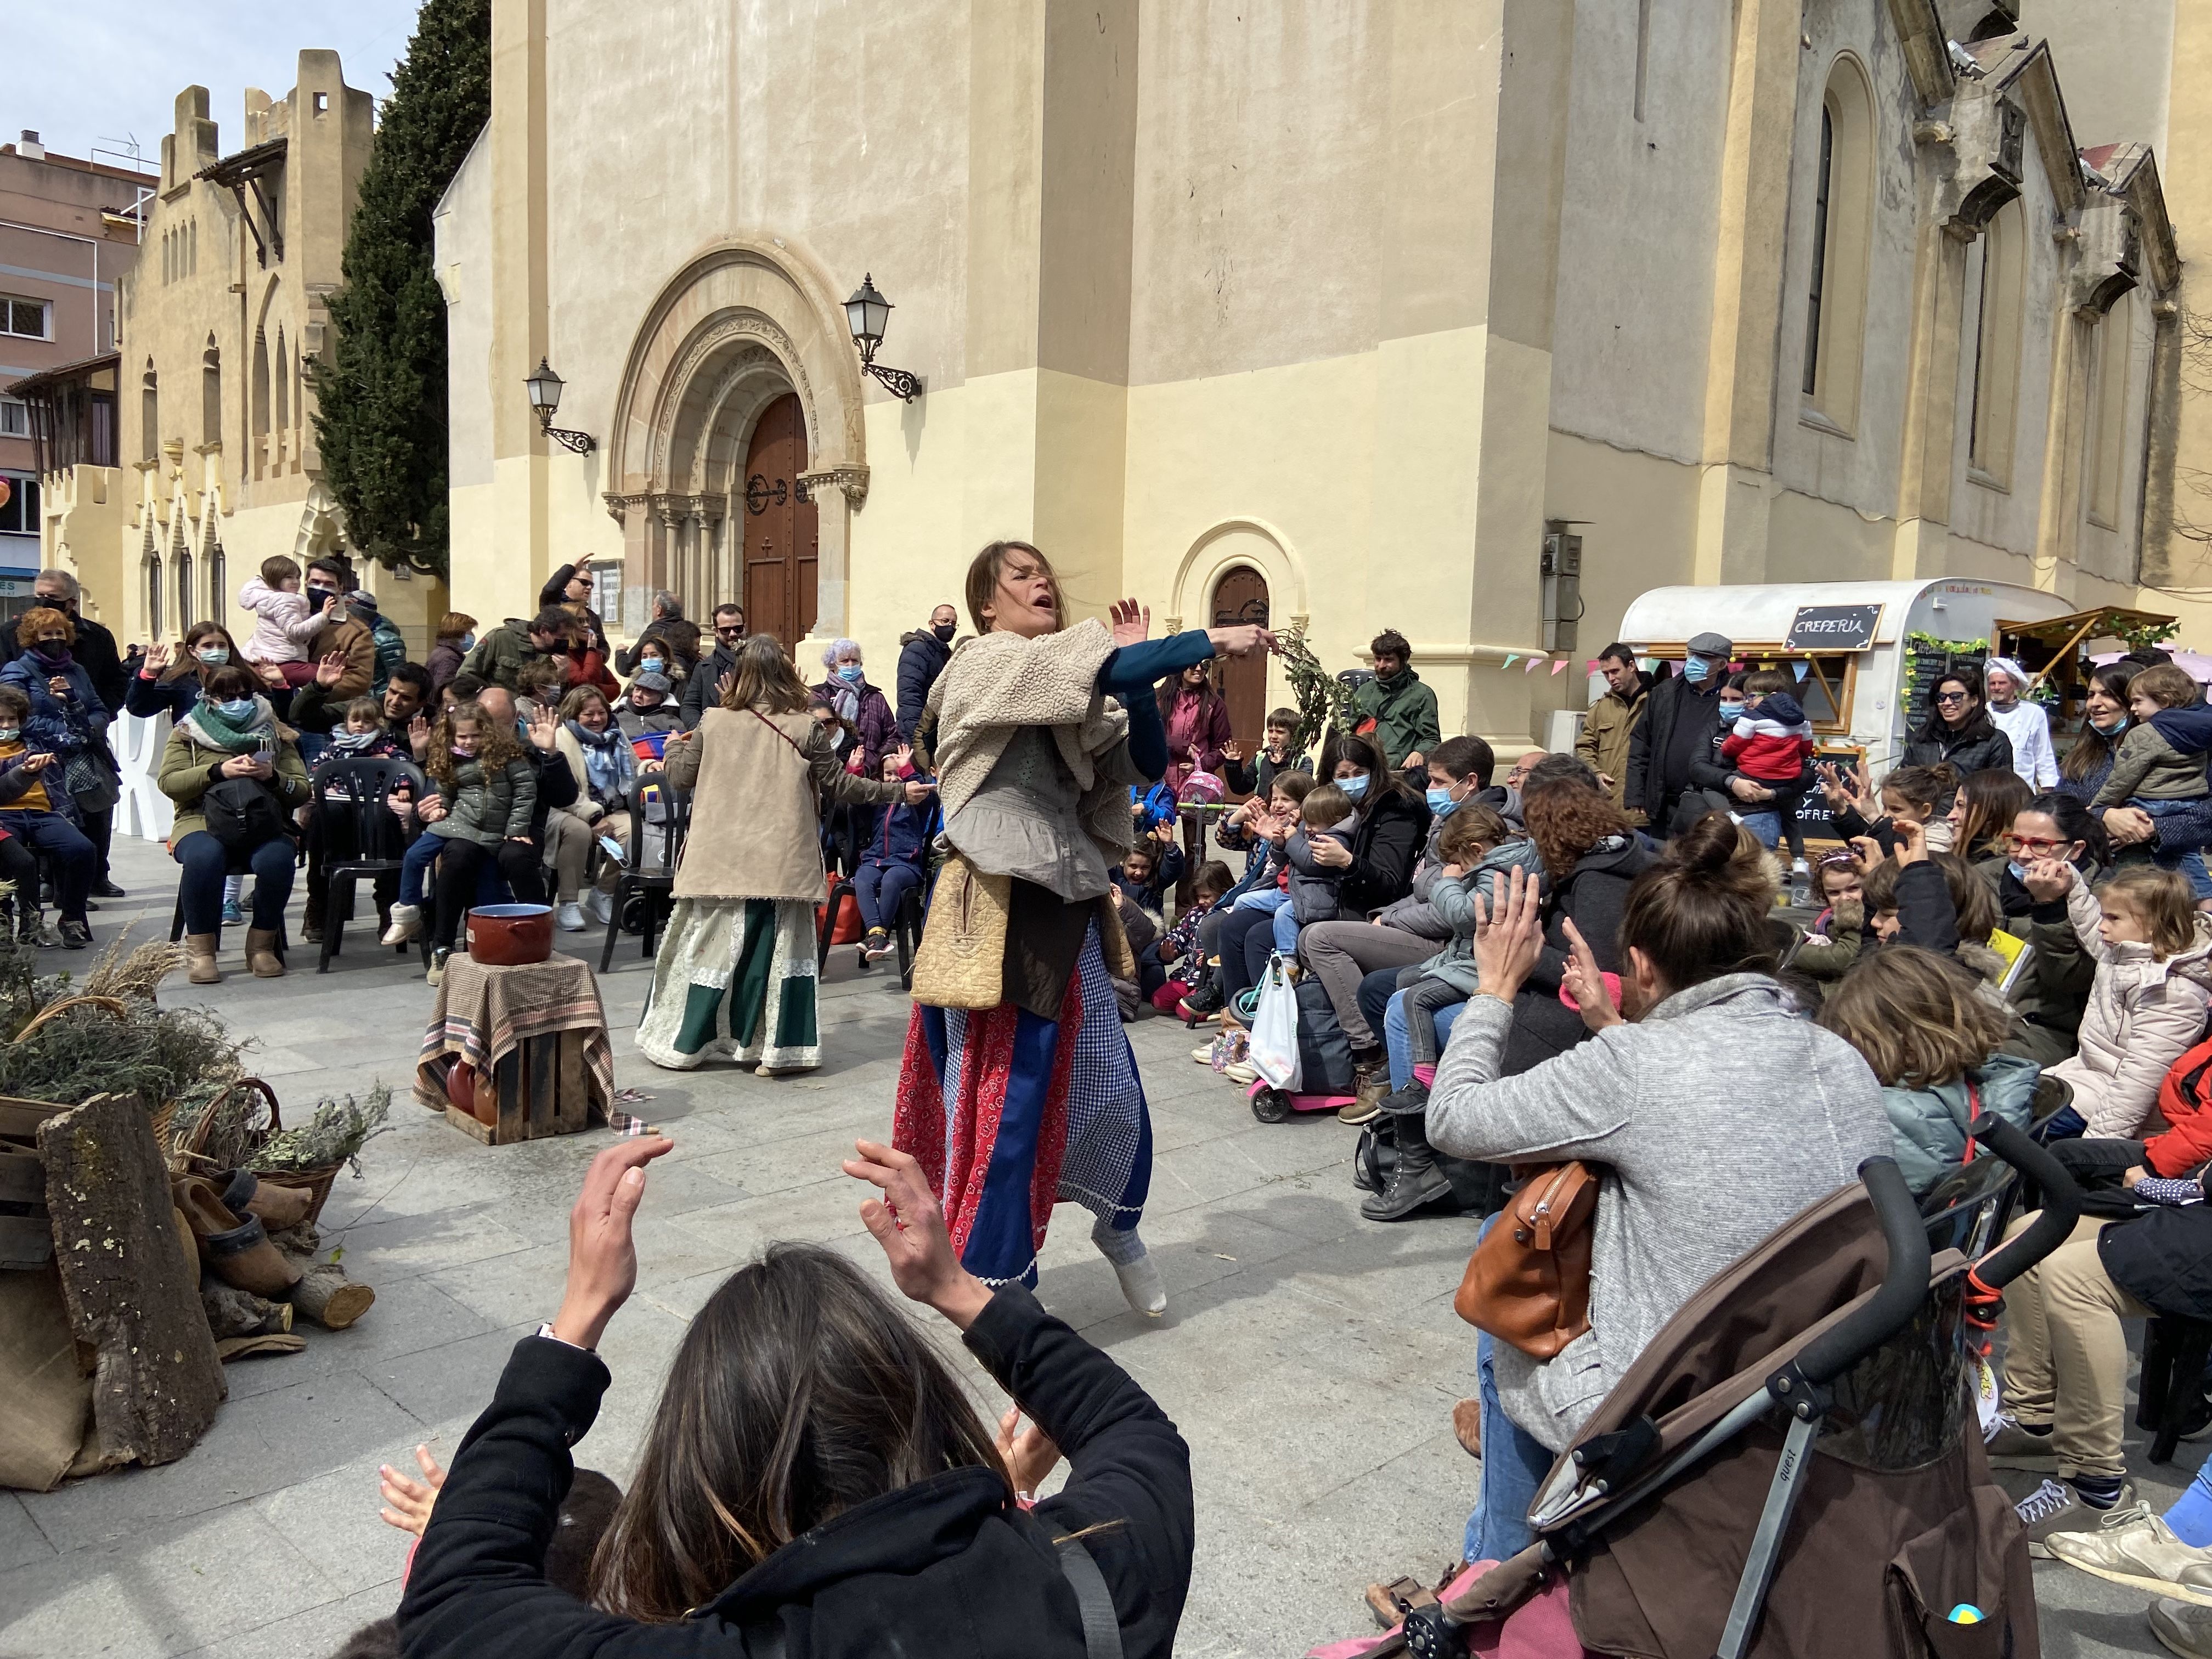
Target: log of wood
(234,1312)
(327,1296)
(303,1243)
(156,1381)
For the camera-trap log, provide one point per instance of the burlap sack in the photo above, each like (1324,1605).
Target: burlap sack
(961,962)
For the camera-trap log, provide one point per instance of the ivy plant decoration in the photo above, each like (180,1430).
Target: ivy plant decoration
(1323,701)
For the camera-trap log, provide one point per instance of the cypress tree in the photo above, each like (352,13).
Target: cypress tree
(380,398)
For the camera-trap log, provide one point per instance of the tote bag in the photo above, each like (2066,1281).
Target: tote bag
(1274,1045)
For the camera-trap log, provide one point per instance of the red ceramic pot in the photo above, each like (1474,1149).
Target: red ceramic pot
(510,935)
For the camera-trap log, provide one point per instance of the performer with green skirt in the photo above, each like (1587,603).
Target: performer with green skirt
(736,972)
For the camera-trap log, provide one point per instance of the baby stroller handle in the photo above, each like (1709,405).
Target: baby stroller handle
(1903,1287)
(2054,1222)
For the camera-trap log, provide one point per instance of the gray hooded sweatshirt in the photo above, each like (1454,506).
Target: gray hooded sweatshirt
(1717,1115)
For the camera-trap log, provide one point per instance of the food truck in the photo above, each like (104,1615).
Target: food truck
(1866,654)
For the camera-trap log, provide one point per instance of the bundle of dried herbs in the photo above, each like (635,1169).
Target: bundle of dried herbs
(334,1135)
(155,1053)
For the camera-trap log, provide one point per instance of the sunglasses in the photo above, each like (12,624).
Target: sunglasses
(1953,697)
(730,631)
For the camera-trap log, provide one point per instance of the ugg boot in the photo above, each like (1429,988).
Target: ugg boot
(246,1194)
(261,953)
(199,957)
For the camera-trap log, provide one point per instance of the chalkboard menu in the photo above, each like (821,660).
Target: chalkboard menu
(1928,666)
(1833,628)
(1814,818)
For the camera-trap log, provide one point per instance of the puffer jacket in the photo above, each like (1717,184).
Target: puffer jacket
(2143,1015)
(1454,899)
(488,810)
(1930,1124)
(2054,989)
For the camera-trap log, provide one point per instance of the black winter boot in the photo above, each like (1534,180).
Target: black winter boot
(1415,1180)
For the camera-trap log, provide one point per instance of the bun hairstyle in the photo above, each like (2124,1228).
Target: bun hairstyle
(1701,911)
(1927,787)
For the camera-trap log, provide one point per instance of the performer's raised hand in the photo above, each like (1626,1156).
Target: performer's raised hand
(1243,638)
(1131,623)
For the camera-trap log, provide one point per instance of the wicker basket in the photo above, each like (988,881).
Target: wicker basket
(316,1182)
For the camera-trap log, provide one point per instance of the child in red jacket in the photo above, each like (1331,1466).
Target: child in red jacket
(1770,746)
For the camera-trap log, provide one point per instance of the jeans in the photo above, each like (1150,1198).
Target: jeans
(207,862)
(1265,899)
(1399,1041)
(74,861)
(1765,826)
(1286,930)
(879,889)
(2189,864)
(414,866)
(1514,1465)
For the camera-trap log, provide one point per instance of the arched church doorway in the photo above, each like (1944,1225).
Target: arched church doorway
(1241,596)
(780,537)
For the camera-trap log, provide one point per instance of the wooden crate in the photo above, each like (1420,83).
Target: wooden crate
(541,1088)
(26,1234)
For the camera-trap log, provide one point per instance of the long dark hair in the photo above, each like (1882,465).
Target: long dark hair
(1381,780)
(1701,911)
(764,677)
(1980,725)
(1209,694)
(192,665)
(799,1392)
(1994,798)
(2092,751)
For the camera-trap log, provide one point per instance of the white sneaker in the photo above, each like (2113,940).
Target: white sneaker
(1239,1072)
(406,923)
(569,918)
(2140,1550)
(1141,1286)
(599,906)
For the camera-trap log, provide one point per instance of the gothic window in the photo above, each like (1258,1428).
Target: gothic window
(1836,277)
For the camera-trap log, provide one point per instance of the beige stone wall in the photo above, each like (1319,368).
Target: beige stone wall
(1361,296)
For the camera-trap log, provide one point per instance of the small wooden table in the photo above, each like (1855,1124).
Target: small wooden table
(537,1037)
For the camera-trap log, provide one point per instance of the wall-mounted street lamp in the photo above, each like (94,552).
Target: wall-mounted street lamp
(866,313)
(545,398)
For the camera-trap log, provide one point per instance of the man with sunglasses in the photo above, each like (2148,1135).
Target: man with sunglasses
(703,691)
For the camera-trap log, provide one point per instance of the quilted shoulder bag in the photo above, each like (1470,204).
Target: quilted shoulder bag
(1527,1282)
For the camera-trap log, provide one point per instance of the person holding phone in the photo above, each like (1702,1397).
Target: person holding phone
(35,821)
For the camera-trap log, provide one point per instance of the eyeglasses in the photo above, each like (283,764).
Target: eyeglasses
(729,630)
(2037,844)
(1952,696)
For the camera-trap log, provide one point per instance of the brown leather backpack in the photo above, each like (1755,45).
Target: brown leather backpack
(1527,1282)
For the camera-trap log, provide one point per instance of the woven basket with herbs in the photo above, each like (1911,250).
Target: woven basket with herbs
(312,1155)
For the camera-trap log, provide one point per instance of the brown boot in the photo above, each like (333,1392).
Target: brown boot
(261,953)
(199,957)
(238,1253)
(246,1194)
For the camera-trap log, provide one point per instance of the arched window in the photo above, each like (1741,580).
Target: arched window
(192,248)
(149,415)
(2108,417)
(1836,278)
(218,578)
(1989,416)
(187,609)
(211,394)
(153,606)
(283,376)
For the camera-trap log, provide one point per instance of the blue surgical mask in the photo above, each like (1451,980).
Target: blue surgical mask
(651,666)
(850,673)
(1355,786)
(469,640)
(1730,710)
(1441,802)
(214,655)
(2107,731)
(2019,870)
(9,734)
(1695,669)
(236,708)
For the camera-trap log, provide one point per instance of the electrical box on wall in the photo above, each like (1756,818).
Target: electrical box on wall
(1562,585)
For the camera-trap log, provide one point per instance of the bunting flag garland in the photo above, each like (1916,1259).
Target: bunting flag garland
(1799,667)
(1535,663)
(1557,666)
(1511,657)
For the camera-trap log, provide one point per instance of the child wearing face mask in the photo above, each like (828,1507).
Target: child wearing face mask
(1326,814)
(487,791)
(285,624)
(31,823)
(1768,740)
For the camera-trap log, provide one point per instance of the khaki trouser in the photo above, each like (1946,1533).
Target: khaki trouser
(2066,1357)
(568,848)
(1341,953)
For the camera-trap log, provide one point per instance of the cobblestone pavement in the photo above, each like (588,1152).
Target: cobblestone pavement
(1311,1358)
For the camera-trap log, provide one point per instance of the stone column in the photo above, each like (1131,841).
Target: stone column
(1931,401)
(838,492)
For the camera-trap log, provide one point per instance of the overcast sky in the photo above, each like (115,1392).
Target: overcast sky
(85,73)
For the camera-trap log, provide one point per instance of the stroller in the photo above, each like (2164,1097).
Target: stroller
(1794,1465)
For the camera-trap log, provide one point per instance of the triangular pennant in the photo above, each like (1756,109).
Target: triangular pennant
(1557,666)
(1511,657)
(1800,667)
(1533,664)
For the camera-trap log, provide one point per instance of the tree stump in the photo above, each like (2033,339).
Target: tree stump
(156,1381)
(234,1312)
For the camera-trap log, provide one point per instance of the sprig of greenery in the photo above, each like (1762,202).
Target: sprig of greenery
(336,1134)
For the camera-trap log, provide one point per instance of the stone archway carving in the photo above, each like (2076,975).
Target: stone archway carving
(741,324)
(1224,546)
